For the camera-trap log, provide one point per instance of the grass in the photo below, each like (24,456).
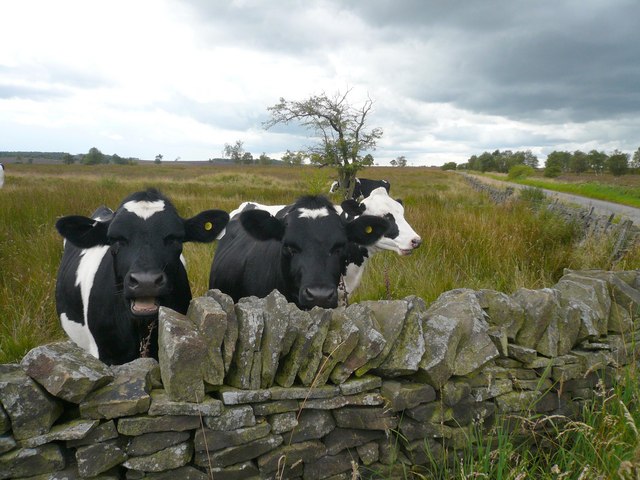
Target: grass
(468,242)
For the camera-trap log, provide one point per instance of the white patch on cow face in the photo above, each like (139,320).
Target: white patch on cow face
(379,203)
(144,209)
(90,260)
(80,334)
(313,213)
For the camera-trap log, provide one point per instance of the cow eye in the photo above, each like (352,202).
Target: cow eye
(172,240)
(117,243)
(337,249)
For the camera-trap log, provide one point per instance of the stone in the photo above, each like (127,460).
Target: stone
(404,395)
(525,401)
(72,430)
(96,459)
(368,453)
(303,393)
(271,408)
(231,335)
(210,320)
(365,418)
(434,412)
(295,346)
(329,465)
(161,404)
(239,471)
(276,325)
(31,409)
(5,422)
(312,425)
(495,388)
(498,336)
(212,440)
(238,454)
(128,393)
(369,399)
(340,439)
(101,433)
(183,473)
(286,456)
(390,317)
(522,354)
(454,391)
(412,430)
(562,373)
(591,297)
(370,344)
(27,462)
(139,425)
(540,306)
(283,422)
(236,396)
(246,366)
(477,349)
(569,325)
(7,443)
(359,385)
(502,311)
(409,347)
(154,442)
(342,338)
(312,364)
(449,321)
(232,418)
(66,370)
(182,352)
(170,458)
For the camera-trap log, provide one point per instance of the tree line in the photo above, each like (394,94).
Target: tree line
(557,163)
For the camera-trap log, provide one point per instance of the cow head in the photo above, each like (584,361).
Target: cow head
(314,242)
(145,236)
(400,237)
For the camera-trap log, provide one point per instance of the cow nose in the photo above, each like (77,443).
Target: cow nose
(146,283)
(416,242)
(319,297)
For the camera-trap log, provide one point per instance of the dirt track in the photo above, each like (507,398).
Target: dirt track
(600,207)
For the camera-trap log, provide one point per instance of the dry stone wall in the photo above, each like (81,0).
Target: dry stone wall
(261,389)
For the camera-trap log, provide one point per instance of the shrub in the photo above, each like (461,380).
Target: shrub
(520,171)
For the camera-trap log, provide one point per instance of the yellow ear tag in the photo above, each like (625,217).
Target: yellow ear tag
(208,226)
(368,229)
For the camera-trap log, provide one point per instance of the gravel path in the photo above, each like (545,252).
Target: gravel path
(600,207)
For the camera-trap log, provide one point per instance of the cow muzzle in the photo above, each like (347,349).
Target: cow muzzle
(143,289)
(324,297)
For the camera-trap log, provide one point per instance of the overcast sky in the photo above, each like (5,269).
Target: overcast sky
(449,79)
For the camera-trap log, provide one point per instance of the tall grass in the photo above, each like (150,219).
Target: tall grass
(468,241)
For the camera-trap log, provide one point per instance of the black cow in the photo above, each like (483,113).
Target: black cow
(301,252)
(119,267)
(363,187)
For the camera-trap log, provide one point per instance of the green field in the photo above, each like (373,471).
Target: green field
(468,242)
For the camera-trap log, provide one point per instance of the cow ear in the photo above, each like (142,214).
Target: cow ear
(399,200)
(261,225)
(367,229)
(205,226)
(352,208)
(83,232)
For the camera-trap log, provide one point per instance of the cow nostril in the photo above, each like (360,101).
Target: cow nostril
(161,280)
(321,297)
(416,242)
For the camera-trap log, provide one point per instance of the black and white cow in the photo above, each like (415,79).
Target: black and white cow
(363,187)
(301,252)
(400,236)
(119,267)
(1,175)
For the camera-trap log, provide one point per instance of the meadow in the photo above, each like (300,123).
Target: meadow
(468,242)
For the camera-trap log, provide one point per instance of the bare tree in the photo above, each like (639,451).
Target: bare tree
(340,128)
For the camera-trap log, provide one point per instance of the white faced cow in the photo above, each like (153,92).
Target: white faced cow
(400,236)
(301,252)
(119,267)
(363,187)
